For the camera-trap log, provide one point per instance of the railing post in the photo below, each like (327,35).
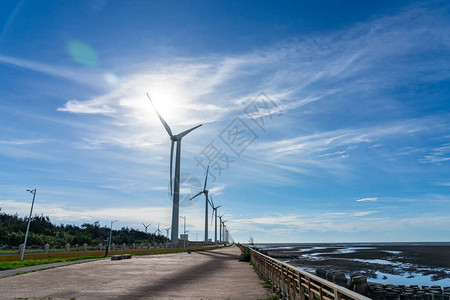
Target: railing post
(310,294)
(301,287)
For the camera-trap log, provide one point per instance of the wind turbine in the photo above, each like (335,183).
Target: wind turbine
(214,212)
(206,192)
(176,189)
(146,226)
(224,229)
(157,230)
(220,224)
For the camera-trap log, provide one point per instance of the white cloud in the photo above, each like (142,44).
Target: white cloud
(442,183)
(367,199)
(364,213)
(75,106)
(23,142)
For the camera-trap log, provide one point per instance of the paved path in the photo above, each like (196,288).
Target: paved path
(201,275)
(6,273)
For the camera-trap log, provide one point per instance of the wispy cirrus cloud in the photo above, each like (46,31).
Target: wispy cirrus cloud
(76,75)
(438,155)
(367,199)
(19,142)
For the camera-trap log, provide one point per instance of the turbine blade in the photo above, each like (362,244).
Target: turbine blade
(212,203)
(206,178)
(171,162)
(198,194)
(161,118)
(187,131)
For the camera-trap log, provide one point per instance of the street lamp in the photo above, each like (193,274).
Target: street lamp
(167,235)
(29,221)
(184,239)
(108,242)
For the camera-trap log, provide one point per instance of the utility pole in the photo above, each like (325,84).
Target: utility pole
(29,221)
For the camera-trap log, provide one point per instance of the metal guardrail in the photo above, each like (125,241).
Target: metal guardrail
(295,284)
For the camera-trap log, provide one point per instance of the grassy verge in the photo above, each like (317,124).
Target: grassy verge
(246,257)
(8,265)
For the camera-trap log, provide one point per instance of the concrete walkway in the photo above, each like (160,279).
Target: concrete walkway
(201,275)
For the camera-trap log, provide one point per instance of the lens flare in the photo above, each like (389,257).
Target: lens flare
(83,53)
(110,78)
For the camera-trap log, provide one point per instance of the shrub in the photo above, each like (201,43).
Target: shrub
(245,255)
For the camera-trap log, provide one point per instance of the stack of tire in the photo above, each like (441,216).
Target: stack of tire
(377,291)
(412,292)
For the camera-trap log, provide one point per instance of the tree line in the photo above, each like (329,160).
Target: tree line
(43,231)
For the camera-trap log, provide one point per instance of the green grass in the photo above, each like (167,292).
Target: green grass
(7,265)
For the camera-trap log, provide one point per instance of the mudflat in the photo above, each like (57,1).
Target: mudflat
(414,261)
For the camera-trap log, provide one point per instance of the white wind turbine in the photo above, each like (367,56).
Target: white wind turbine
(146,226)
(157,230)
(214,212)
(224,230)
(206,192)
(176,189)
(221,225)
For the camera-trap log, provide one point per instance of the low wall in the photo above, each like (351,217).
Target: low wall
(296,284)
(15,257)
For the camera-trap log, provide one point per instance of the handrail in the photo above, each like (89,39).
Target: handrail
(295,284)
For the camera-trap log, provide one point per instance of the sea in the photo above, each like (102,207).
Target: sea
(423,264)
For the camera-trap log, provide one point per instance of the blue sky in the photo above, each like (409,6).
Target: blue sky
(343,106)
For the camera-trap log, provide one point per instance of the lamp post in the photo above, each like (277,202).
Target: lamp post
(108,242)
(167,235)
(184,239)
(29,221)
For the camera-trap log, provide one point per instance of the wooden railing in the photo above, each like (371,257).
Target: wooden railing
(295,284)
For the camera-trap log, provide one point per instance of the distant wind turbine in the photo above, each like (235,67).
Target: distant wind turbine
(176,189)
(214,212)
(206,192)
(157,230)
(224,231)
(220,225)
(146,226)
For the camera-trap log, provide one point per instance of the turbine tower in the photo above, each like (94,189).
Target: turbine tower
(207,202)
(214,212)
(176,188)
